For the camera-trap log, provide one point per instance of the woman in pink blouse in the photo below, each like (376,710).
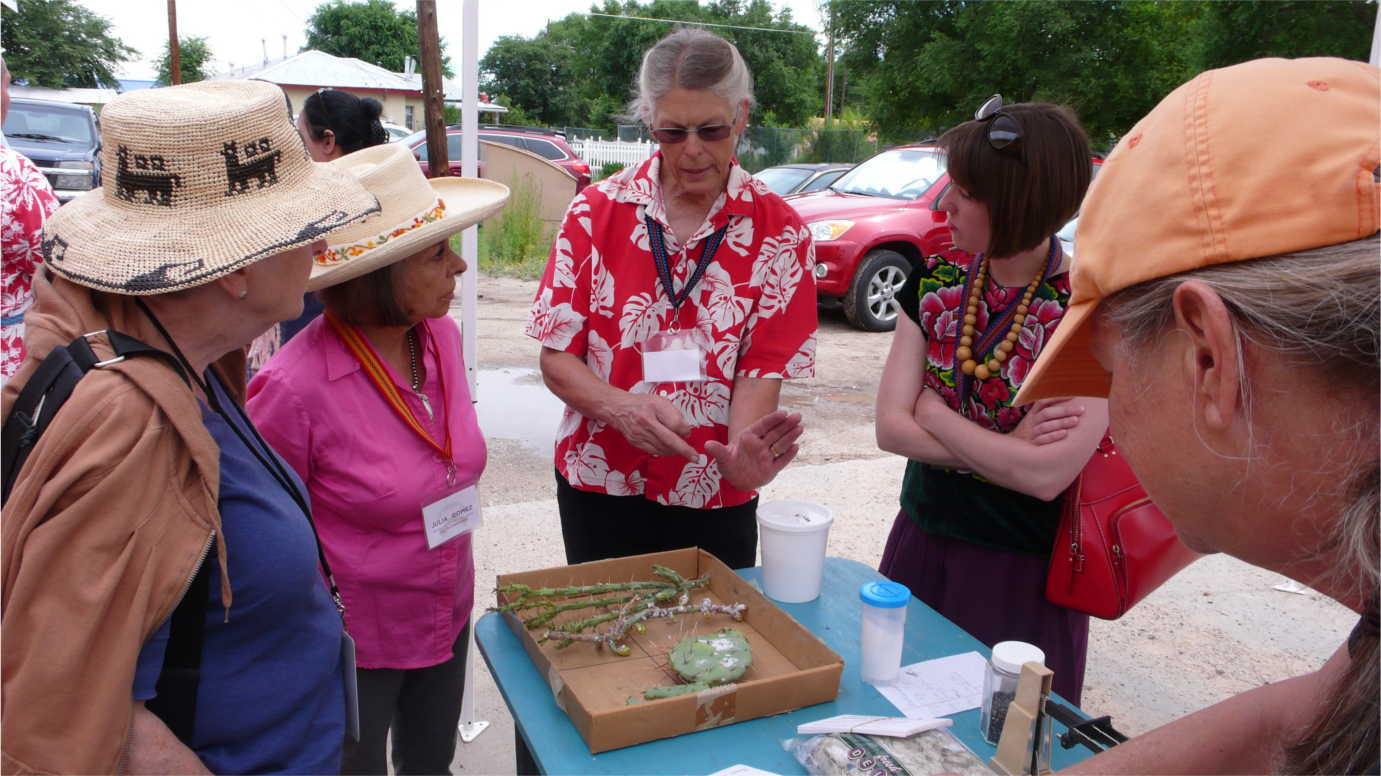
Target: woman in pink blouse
(370,405)
(678,297)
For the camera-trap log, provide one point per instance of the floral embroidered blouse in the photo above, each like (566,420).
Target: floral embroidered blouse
(752,312)
(964,505)
(28,201)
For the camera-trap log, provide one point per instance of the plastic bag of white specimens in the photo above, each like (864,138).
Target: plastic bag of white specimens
(855,754)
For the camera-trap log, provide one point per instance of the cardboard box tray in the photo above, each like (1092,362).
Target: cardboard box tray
(791,667)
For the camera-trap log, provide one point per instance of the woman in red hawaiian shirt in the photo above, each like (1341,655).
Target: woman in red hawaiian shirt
(679,294)
(979,500)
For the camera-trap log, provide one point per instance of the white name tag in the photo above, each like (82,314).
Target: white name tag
(672,357)
(451,516)
(671,366)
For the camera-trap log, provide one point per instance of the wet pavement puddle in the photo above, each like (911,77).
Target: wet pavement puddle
(515,404)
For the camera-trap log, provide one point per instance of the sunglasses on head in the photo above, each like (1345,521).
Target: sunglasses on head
(1003,130)
(674,135)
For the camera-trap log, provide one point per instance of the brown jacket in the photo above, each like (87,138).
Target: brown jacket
(106,525)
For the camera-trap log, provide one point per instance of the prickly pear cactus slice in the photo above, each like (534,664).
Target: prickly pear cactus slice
(714,658)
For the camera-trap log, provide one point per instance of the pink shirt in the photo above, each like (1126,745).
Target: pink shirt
(369,476)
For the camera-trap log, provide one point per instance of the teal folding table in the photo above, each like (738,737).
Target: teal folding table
(557,748)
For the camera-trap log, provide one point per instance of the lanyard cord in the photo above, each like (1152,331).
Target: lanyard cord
(270,462)
(659,256)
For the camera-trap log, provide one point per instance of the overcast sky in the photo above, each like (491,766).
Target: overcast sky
(239,31)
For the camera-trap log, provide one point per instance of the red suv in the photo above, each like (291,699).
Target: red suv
(548,144)
(873,225)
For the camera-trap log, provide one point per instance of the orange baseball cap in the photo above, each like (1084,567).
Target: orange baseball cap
(1254,160)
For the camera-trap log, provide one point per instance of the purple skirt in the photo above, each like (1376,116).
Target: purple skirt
(994,595)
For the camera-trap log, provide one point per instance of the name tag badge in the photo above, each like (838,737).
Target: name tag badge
(673,357)
(352,694)
(451,515)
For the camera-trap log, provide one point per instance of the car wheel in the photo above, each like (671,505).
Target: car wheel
(868,305)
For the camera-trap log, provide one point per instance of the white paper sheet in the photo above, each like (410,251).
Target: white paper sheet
(892,727)
(742,770)
(937,688)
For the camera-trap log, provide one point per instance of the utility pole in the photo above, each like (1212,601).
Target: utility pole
(433,91)
(175,76)
(829,62)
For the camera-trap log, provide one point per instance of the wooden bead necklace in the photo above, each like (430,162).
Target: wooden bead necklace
(970,366)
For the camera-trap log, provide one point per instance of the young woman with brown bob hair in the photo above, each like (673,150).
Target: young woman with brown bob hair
(979,500)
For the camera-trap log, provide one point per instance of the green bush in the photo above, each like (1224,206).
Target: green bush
(609,168)
(515,242)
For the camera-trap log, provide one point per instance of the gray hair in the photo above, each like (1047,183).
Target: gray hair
(691,58)
(1321,310)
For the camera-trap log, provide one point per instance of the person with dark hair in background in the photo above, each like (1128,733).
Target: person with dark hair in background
(332,123)
(979,502)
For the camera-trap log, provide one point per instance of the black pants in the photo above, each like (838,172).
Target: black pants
(421,705)
(595,526)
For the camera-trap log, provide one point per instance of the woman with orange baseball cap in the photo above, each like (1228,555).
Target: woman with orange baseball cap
(1225,301)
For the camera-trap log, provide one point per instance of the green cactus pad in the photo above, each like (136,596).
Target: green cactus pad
(712,659)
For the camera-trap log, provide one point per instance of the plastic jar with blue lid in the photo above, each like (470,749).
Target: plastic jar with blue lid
(883,630)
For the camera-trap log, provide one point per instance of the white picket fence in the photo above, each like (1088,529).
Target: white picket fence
(597,153)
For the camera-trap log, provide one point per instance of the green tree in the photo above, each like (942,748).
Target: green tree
(59,44)
(534,76)
(1232,31)
(193,61)
(925,65)
(372,30)
(580,70)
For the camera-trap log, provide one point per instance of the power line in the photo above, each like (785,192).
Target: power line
(701,24)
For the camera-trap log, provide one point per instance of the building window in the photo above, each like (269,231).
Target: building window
(407,117)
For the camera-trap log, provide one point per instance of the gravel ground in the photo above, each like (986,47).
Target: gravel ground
(1218,628)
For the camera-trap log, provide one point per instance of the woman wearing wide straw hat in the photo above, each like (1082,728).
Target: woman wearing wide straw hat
(152,478)
(394,505)
(1226,303)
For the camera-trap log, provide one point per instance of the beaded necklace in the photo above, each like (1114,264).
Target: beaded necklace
(965,354)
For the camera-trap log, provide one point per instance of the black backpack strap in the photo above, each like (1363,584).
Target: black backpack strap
(50,387)
(176,701)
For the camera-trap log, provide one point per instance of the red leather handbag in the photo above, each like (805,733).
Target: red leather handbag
(1113,546)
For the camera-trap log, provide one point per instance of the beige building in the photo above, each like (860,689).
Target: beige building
(400,93)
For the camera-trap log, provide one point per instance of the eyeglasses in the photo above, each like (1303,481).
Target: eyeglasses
(1003,130)
(674,135)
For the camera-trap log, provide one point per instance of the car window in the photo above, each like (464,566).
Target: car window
(824,180)
(544,148)
(782,180)
(509,140)
(902,173)
(43,123)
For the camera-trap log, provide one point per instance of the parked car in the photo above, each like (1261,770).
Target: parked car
(873,225)
(395,132)
(546,143)
(800,178)
(61,139)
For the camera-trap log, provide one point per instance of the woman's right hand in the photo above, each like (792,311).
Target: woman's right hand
(652,424)
(1049,420)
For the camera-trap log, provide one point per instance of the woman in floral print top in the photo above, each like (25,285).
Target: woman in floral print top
(684,258)
(28,201)
(980,496)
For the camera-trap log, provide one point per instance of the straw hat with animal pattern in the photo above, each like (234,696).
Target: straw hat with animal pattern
(199,180)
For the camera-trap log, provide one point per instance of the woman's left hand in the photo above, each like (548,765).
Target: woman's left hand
(760,452)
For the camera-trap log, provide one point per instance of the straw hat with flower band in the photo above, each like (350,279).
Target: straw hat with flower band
(1258,159)
(180,209)
(416,212)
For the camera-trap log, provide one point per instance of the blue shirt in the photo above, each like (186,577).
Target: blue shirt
(271,697)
